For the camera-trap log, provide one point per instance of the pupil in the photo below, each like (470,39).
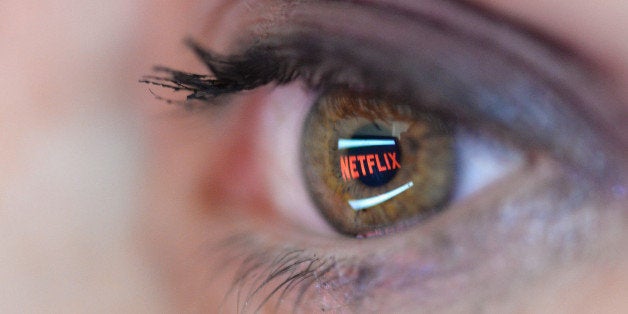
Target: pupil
(378,161)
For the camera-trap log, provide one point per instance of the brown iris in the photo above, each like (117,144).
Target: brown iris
(374,163)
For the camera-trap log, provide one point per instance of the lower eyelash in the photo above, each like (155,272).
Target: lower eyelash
(267,275)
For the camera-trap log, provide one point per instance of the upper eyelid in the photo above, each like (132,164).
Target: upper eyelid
(553,73)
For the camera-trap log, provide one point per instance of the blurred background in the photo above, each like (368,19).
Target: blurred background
(71,154)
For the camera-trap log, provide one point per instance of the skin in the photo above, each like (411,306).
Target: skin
(113,201)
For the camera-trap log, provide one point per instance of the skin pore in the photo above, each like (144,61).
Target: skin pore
(114,201)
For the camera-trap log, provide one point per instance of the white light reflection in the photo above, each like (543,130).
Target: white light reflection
(345,143)
(376,200)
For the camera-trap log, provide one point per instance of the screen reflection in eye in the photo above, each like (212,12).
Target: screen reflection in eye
(489,107)
(354,146)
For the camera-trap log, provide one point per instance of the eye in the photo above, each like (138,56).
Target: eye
(450,118)
(374,164)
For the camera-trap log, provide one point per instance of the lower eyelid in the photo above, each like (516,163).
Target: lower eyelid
(444,257)
(437,266)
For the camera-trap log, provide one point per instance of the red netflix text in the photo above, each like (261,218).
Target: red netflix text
(355,166)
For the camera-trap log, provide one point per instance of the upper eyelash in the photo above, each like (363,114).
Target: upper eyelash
(259,65)
(231,74)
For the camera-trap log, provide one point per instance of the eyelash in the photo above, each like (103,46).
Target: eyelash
(287,271)
(230,75)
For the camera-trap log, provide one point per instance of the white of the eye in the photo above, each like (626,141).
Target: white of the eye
(284,114)
(482,160)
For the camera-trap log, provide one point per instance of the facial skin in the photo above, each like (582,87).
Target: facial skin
(163,208)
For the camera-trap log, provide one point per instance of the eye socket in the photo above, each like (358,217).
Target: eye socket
(468,246)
